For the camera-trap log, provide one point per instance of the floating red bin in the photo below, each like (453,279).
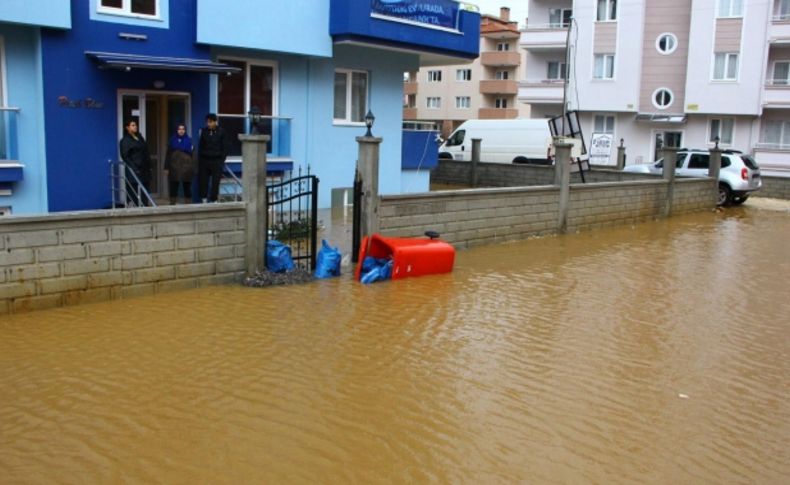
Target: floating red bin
(410,256)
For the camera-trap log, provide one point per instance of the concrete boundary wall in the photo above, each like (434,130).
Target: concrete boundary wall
(474,217)
(775,187)
(70,258)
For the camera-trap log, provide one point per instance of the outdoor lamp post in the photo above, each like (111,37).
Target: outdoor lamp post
(254,115)
(369,119)
(717,140)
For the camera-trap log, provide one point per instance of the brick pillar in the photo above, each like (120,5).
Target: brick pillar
(621,156)
(253,178)
(562,167)
(714,169)
(368,162)
(670,155)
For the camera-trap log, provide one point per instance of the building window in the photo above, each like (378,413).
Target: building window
(502,75)
(666,43)
(777,133)
(5,211)
(725,67)
(559,17)
(603,124)
(410,101)
(730,8)
(556,70)
(351,96)
(500,103)
(434,102)
(434,76)
(782,10)
(503,46)
(463,102)
(146,8)
(662,98)
(781,73)
(237,93)
(722,128)
(604,66)
(463,75)
(607,10)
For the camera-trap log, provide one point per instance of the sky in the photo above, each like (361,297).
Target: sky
(518,8)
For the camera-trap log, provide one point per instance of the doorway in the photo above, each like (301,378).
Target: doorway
(663,139)
(158,115)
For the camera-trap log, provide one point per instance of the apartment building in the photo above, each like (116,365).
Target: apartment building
(679,73)
(486,88)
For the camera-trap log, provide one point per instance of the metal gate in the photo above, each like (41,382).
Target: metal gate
(292,209)
(356,229)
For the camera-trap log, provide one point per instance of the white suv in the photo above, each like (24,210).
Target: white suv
(739,175)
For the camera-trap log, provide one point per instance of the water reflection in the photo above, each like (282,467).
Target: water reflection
(555,360)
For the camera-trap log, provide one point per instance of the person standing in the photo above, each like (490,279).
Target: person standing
(179,164)
(134,153)
(213,148)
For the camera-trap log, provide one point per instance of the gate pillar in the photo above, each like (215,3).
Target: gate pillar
(253,177)
(369,173)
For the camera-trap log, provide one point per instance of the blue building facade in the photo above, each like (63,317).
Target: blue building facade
(314,68)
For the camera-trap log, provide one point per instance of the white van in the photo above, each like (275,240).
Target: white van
(503,141)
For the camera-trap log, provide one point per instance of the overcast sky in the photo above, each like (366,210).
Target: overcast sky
(518,8)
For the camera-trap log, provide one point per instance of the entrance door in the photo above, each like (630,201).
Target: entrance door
(666,139)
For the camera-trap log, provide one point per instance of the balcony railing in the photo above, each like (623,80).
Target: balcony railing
(498,86)
(500,58)
(9,137)
(410,88)
(772,146)
(278,128)
(785,17)
(548,26)
(497,113)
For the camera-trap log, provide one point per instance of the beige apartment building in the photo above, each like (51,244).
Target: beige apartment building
(486,88)
(674,72)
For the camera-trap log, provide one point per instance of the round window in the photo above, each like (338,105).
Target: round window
(662,98)
(666,43)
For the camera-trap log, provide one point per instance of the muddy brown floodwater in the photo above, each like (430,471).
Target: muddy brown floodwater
(657,353)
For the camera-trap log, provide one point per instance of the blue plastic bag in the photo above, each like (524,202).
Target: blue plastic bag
(278,257)
(375,269)
(327,264)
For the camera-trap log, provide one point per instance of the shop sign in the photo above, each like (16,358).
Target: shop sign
(601,149)
(87,103)
(436,13)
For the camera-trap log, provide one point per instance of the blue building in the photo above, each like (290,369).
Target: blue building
(314,67)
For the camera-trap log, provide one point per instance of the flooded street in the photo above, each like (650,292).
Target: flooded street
(657,353)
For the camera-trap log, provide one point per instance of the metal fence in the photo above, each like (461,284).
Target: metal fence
(292,209)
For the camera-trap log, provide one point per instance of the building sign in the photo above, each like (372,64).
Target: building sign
(436,13)
(601,149)
(87,103)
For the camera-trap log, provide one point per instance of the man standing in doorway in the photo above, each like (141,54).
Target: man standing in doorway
(213,148)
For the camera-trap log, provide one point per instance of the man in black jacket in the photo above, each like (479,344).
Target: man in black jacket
(213,148)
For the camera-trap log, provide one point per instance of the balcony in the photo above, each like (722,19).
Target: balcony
(500,58)
(773,159)
(10,168)
(439,31)
(409,113)
(779,29)
(410,88)
(497,114)
(546,37)
(498,87)
(541,91)
(39,13)
(776,94)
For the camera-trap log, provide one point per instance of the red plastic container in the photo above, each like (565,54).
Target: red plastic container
(410,257)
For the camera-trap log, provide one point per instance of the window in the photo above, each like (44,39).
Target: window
(351,96)
(662,98)
(607,10)
(503,46)
(456,138)
(410,101)
(781,73)
(725,67)
(463,75)
(434,76)
(777,132)
(5,211)
(434,102)
(666,43)
(730,8)
(556,70)
(559,17)
(699,160)
(604,66)
(502,75)
(147,8)
(722,128)
(500,103)
(603,124)
(237,93)
(463,102)
(782,10)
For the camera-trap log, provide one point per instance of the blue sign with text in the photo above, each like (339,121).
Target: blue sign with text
(439,13)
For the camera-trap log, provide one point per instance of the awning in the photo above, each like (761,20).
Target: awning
(676,119)
(11,172)
(117,60)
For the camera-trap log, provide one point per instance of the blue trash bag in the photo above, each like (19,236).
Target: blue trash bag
(278,257)
(376,269)
(327,264)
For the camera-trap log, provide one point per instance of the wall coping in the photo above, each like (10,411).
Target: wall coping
(471,192)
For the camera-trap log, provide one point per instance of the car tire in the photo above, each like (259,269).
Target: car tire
(521,160)
(739,200)
(725,195)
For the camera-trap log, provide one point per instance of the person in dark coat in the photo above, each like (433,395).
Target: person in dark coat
(179,164)
(134,153)
(213,149)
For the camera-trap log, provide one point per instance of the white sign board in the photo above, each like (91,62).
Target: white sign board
(601,149)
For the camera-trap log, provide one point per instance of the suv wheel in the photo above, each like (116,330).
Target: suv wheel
(740,200)
(725,195)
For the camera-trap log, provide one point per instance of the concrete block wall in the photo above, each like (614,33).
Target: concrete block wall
(70,258)
(775,187)
(693,195)
(607,204)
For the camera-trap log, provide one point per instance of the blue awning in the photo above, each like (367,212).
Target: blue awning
(117,60)
(11,172)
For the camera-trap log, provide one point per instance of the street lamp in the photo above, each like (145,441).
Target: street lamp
(369,119)
(254,115)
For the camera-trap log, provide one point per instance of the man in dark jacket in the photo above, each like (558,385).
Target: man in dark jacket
(213,148)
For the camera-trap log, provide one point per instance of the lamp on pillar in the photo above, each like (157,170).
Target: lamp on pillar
(369,119)
(254,115)
(716,141)
(622,141)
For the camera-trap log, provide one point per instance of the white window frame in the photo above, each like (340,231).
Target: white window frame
(500,103)
(562,24)
(435,76)
(437,104)
(671,98)
(503,47)
(674,45)
(727,61)
(604,118)
(779,7)
(604,58)
(562,70)
(349,90)
(463,75)
(726,8)
(610,14)
(773,73)
(463,102)
(126,10)
(714,133)
(502,75)
(784,134)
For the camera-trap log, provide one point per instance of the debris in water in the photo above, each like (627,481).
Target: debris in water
(683,396)
(267,278)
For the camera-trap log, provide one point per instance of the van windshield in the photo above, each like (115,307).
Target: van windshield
(456,138)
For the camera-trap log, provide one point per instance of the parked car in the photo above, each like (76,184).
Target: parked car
(738,178)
